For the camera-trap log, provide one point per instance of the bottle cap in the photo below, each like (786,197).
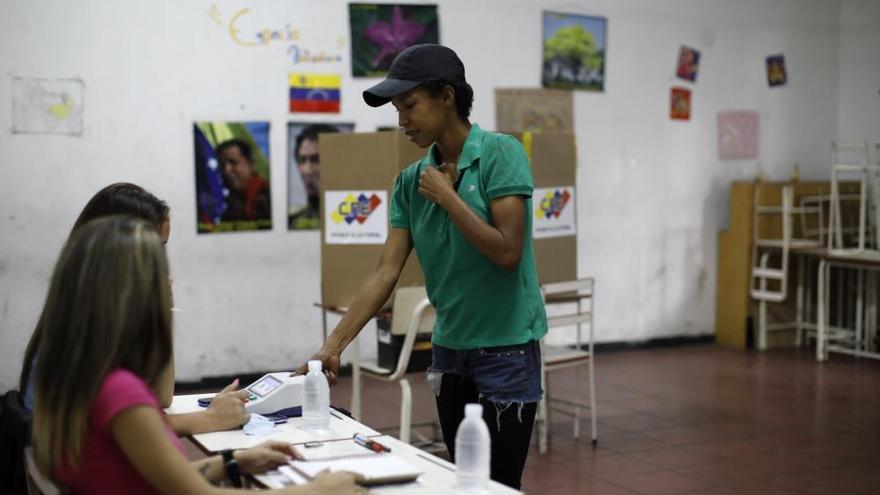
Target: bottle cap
(315,365)
(473,410)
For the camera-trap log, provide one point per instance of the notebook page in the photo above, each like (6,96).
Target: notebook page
(376,469)
(333,450)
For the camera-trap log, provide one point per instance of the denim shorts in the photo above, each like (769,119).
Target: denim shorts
(503,375)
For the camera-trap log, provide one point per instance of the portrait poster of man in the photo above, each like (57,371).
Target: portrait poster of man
(232,176)
(688,64)
(380,31)
(304,172)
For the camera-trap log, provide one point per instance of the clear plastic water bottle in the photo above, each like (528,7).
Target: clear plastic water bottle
(472,447)
(316,399)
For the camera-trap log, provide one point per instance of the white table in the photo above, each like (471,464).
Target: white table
(438,477)
(341,427)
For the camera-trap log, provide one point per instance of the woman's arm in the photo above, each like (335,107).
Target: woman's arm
(502,241)
(225,412)
(140,433)
(370,298)
(164,386)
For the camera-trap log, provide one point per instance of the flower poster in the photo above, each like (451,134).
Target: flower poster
(574,51)
(380,31)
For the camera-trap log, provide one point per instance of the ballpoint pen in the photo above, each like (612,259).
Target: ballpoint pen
(370,444)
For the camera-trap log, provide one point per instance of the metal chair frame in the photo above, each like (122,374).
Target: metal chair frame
(555,357)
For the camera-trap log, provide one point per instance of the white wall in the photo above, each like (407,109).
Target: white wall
(652,192)
(859,67)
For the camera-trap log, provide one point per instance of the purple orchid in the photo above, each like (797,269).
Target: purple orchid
(393,38)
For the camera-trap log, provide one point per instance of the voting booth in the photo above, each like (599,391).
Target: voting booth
(357,178)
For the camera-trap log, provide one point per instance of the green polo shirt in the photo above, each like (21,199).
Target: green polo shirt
(478,304)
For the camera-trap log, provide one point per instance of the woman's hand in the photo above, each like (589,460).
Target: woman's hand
(339,483)
(330,364)
(226,410)
(436,186)
(263,457)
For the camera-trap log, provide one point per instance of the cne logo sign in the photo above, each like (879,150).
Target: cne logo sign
(355,208)
(552,204)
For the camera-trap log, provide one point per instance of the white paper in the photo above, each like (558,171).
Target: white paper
(553,212)
(47,106)
(379,468)
(355,217)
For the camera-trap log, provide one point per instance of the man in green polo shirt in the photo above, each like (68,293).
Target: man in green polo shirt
(478,303)
(465,207)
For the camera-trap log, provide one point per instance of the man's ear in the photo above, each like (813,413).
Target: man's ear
(448,95)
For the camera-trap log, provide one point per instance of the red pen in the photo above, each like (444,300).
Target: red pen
(370,444)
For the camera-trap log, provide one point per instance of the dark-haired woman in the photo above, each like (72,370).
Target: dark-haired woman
(465,208)
(122,198)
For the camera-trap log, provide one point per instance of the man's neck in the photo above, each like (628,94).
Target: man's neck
(452,141)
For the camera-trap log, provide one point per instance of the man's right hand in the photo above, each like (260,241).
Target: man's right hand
(330,364)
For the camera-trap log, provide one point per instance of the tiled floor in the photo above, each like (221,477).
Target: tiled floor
(699,420)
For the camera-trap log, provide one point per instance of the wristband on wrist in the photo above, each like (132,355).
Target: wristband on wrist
(231,466)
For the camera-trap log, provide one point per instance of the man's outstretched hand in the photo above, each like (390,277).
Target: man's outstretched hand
(329,364)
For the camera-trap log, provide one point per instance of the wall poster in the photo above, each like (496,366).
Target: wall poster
(232,176)
(574,51)
(380,31)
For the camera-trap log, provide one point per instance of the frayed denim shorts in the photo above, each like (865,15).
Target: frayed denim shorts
(503,375)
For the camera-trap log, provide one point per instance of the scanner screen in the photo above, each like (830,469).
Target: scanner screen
(265,385)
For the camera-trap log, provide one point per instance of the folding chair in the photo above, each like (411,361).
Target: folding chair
(412,309)
(556,357)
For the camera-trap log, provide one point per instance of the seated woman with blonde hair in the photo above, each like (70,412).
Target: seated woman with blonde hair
(106,357)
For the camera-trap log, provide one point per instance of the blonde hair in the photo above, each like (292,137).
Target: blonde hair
(108,307)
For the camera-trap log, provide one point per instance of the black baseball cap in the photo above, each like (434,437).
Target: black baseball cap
(413,66)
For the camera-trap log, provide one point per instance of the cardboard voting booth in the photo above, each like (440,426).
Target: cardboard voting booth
(357,177)
(359,169)
(554,221)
